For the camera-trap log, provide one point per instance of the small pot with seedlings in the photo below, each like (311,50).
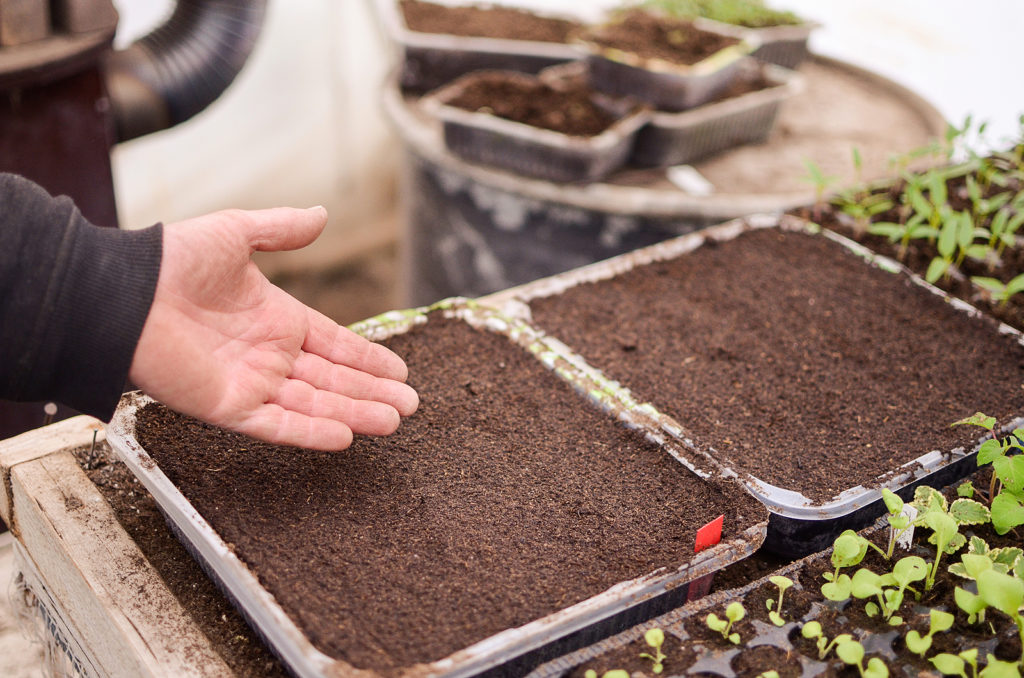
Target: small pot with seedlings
(667,62)
(781,34)
(522,520)
(549,128)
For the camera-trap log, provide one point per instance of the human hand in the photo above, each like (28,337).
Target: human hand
(221,343)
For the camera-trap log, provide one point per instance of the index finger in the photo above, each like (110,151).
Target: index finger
(342,346)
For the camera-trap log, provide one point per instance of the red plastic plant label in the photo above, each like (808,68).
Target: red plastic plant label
(709,535)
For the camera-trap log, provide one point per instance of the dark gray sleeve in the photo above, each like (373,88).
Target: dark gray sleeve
(73,300)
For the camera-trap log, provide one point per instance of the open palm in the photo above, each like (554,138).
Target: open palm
(223,344)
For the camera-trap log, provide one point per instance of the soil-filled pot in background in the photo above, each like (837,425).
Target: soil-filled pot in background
(506,522)
(781,35)
(559,130)
(666,62)
(815,370)
(438,43)
(743,114)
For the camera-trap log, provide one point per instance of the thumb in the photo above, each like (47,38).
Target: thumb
(283,228)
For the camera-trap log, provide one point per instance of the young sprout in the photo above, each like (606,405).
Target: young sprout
(775,615)
(956,664)
(734,612)
(866,584)
(655,638)
(851,653)
(848,550)
(938,621)
(1005,593)
(614,673)
(997,290)
(899,521)
(996,668)
(812,631)
(821,182)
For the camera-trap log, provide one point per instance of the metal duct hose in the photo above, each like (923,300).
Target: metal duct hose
(178,69)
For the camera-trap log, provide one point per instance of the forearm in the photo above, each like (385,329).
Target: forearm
(73,300)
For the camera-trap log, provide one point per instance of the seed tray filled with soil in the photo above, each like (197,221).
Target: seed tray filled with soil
(789,643)
(440,42)
(814,369)
(559,130)
(744,113)
(506,522)
(666,62)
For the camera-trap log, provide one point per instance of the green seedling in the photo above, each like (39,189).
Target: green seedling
(734,612)
(1005,593)
(848,550)
(938,621)
(769,674)
(996,668)
(971,604)
(997,290)
(956,664)
(888,589)
(821,182)
(812,631)
(899,522)
(614,673)
(955,243)
(851,652)
(945,520)
(655,638)
(775,615)
(979,557)
(1003,229)
(862,208)
(914,228)
(1006,489)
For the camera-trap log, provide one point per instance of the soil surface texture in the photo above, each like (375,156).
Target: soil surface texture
(486,22)
(650,36)
(571,108)
(139,515)
(794,359)
(503,499)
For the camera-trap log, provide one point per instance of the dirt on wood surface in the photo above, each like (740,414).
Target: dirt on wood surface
(571,108)
(792,358)
(650,36)
(486,21)
(504,498)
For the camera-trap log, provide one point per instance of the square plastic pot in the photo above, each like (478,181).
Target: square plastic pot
(682,138)
(430,60)
(784,46)
(530,151)
(665,85)
(510,652)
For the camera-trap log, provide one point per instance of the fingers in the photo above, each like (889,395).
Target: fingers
(368,417)
(325,375)
(342,346)
(280,426)
(282,228)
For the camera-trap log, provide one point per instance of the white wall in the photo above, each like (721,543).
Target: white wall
(299,126)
